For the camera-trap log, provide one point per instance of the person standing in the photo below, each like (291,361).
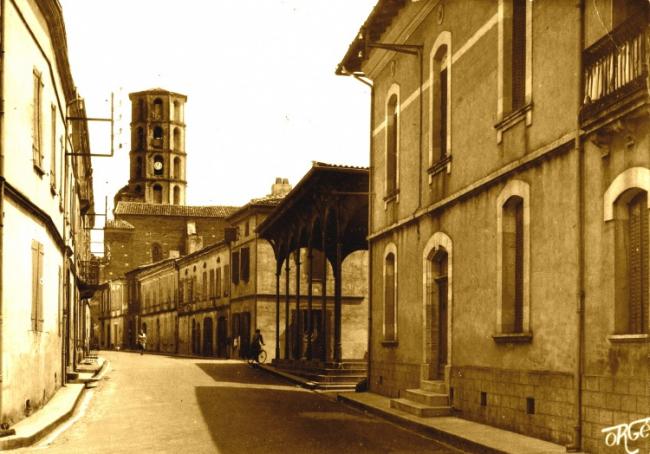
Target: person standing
(256,344)
(142,341)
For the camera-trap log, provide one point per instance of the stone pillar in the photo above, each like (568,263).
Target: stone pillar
(278,269)
(310,276)
(287,270)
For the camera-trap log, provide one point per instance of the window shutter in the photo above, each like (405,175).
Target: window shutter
(226,279)
(443,113)
(245,264)
(518,53)
(235,267)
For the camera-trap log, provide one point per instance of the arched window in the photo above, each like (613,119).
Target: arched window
(513,263)
(139,139)
(157,193)
(142,110)
(177,195)
(631,262)
(157,109)
(138,167)
(390,294)
(392,144)
(626,205)
(177,169)
(512,304)
(177,111)
(158,137)
(156,252)
(177,139)
(440,83)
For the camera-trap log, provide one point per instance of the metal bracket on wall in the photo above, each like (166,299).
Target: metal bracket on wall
(86,119)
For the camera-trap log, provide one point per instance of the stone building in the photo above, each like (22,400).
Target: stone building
(252,302)
(46,201)
(150,220)
(508,199)
(112,299)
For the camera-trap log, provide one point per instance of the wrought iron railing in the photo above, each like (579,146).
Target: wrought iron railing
(89,271)
(616,66)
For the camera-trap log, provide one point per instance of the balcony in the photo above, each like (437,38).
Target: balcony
(89,272)
(616,71)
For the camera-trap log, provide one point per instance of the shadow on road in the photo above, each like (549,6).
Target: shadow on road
(251,411)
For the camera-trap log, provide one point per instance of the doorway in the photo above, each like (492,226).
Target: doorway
(207,336)
(438,313)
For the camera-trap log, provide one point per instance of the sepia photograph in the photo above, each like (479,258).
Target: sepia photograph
(325,226)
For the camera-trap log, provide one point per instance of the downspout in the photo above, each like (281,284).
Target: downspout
(580,198)
(370,199)
(3,9)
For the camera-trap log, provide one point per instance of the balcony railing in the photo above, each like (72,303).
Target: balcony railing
(616,66)
(89,271)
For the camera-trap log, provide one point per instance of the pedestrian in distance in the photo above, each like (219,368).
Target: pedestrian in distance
(142,341)
(256,344)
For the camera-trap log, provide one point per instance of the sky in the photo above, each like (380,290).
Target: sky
(263,99)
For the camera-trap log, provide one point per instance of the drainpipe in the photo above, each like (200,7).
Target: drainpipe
(370,197)
(580,177)
(3,9)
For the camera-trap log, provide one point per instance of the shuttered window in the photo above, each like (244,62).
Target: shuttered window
(638,264)
(390,303)
(518,53)
(513,266)
(37,286)
(226,279)
(218,283)
(245,264)
(53,149)
(212,293)
(235,267)
(37,119)
(392,139)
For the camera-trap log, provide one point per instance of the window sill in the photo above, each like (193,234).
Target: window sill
(39,171)
(628,338)
(439,166)
(392,196)
(513,118)
(513,338)
(389,343)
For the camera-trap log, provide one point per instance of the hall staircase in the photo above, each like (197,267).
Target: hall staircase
(431,399)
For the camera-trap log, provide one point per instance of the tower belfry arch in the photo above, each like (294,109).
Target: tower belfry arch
(157,157)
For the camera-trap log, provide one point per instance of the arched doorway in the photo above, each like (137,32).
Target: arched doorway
(193,337)
(197,340)
(437,307)
(158,334)
(207,336)
(222,337)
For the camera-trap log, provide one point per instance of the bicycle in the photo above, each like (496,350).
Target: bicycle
(259,359)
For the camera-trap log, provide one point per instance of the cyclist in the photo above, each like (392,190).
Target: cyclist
(256,344)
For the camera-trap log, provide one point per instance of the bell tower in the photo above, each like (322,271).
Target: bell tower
(157,156)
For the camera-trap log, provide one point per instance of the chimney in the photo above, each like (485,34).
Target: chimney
(280,187)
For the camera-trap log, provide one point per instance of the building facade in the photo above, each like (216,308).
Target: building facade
(46,197)
(508,198)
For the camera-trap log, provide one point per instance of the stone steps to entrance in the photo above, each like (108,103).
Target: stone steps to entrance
(418,409)
(427,397)
(434,386)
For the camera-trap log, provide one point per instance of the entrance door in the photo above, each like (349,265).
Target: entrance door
(441,284)
(437,314)
(207,336)
(222,337)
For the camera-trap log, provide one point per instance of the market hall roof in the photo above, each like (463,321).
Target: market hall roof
(328,196)
(157,209)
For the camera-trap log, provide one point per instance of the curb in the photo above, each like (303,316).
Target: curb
(17,441)
(292,378)
(439,435)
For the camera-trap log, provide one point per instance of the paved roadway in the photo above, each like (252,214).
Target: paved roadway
(162,404)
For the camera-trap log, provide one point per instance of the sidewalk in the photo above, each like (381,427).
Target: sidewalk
(461,433)
(57,410)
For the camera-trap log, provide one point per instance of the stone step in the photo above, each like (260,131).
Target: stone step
(418,409)
(321,378)
(427,397)
(434,386)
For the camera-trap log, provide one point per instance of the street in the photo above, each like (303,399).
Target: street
(164,404)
